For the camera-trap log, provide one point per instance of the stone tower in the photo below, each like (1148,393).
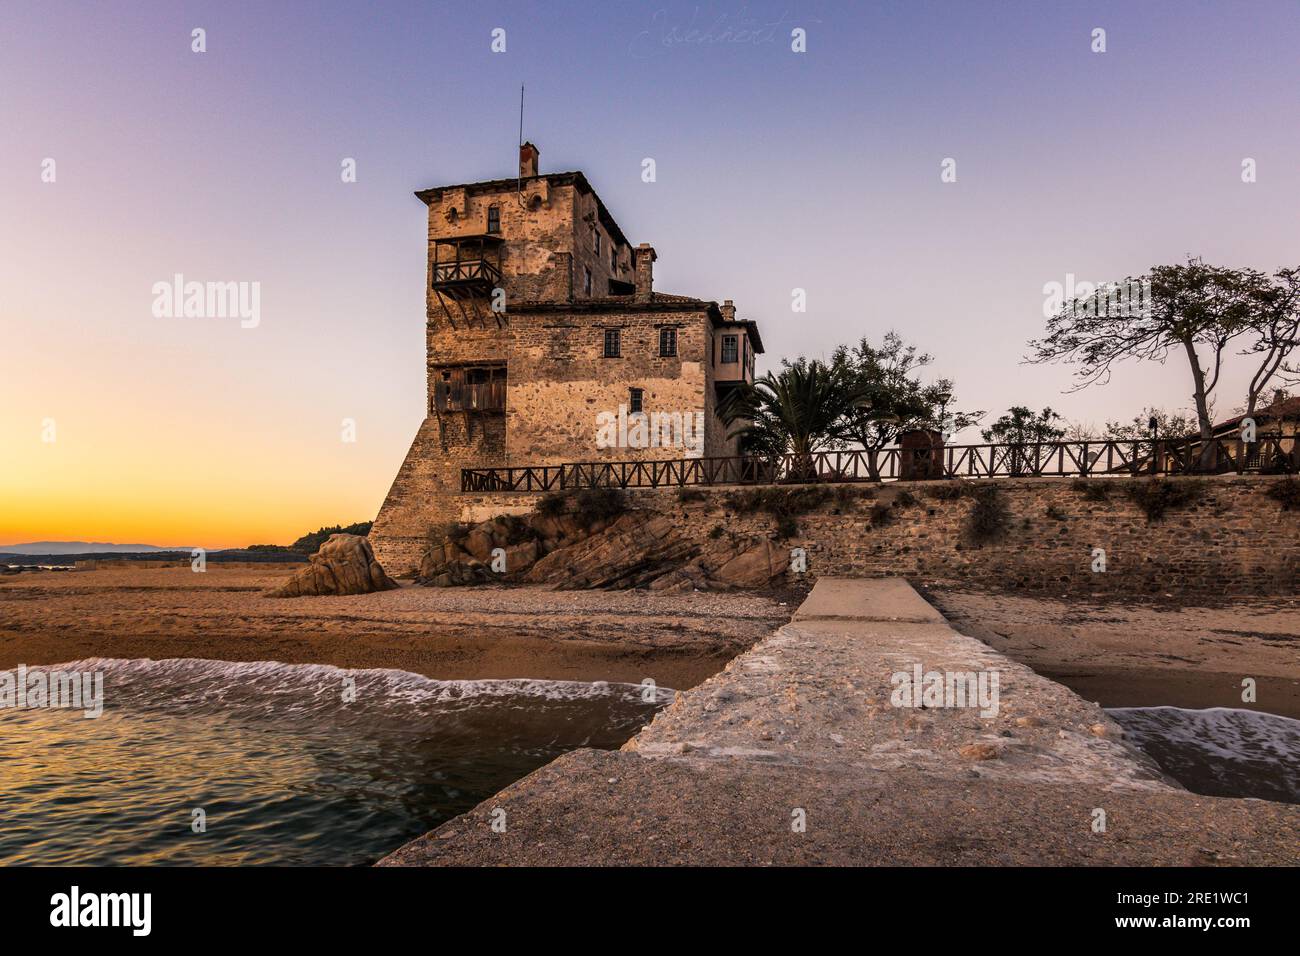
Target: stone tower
(541,316)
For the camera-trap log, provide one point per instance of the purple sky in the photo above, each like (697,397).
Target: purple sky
(776,170)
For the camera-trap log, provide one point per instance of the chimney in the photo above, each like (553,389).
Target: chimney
(528,154)
(728,310)
(645,271)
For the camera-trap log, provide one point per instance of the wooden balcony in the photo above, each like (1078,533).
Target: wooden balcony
(478,275)
(465,267)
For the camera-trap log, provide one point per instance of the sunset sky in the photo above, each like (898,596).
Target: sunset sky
(775,170)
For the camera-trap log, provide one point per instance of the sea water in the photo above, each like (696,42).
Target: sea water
(1220,751)
(207,762)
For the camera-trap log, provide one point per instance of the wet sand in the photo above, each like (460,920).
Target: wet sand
(676,640)
(1143,654)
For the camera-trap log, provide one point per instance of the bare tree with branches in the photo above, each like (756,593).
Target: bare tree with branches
(1193,308)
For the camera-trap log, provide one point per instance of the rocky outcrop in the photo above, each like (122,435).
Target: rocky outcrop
(754,567)
(345,564)
(632,549)
(635,549)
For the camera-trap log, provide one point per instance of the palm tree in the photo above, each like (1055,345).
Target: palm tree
(799,411)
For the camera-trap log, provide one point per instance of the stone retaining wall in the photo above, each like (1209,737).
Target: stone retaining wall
(1231,538)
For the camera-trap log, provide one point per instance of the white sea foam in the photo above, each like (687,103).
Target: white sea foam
(182,681)
(1220,749)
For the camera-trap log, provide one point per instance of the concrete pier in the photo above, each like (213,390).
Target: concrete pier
(798,753)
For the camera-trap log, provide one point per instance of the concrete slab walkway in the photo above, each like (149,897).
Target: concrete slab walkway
(796,753)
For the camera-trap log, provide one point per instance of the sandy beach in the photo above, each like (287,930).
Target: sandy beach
(1118,654)
(1134,654)
(676,640)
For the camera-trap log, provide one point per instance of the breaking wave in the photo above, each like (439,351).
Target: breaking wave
(289,763)
(1221,751)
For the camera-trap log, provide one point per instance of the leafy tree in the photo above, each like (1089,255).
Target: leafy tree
(1170,425)
(1193,308)
(891,397)
(1020,428)
(1275,324)
(797,411)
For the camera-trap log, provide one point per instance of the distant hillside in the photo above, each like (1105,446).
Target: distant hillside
(81,547)
(310,543)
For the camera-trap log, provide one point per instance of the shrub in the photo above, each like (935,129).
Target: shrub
(1055,513)
(597,504)
(1095,490)
(989,518)
(554,504)
(881,515)
(848,496)
(717,532)
(1286,493)
(905,499)
(1156,496)
(783,504)
(590,504)
(950,491)
(690,494)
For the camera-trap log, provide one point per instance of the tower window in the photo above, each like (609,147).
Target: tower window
(613,258)
(494,219)
(613,343)
(586,281)
(667,343)
(635,400)
(595,233)
(729,350)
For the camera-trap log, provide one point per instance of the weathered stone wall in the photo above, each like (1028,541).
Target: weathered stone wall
(538,228)
(560,381)
(1232,539)
(426,491)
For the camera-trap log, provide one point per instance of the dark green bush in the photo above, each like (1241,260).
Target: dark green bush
(1156,496)
(881,515)
(598,504)
(1286,493)
(783,504)
(1094,490)
(848,496)
(950,491)
(989,518)
(554,504)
